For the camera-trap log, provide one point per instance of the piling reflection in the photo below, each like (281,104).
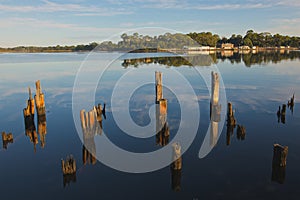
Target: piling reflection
(91,123)
(176,167)
(208,58)
(279,163)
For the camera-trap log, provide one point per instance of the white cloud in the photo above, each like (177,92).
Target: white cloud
(48,7)
(32,22)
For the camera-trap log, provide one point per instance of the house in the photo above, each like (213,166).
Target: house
(227,46)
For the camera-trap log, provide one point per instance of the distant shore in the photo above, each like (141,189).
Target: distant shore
(156,50)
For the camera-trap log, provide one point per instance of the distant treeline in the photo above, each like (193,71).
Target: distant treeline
(172,41)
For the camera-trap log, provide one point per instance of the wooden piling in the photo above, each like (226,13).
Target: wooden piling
(158,86)
(279,163)
(215,85)
(279,155)
(39,99)
(69,165)
(231,123)
(162,127)
(241,132)
(176,157)
(6,139)
(29,110)
(176,167)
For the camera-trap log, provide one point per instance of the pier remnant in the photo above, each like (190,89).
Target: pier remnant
(39,99)
(215,87)
(69,170)
(69,165)
(176,167)
(6,139)
(291,103)
(158,86)
(29,110)
(241,132)
(215,108)
(283,112)
(162,127)
(28,113)
(231,123)
(279,163)
(91,124)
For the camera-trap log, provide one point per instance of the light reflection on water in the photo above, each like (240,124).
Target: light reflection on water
(241,170)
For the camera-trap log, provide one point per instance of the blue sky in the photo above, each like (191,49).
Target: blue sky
(52,22)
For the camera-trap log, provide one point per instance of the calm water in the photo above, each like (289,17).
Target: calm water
(255,84)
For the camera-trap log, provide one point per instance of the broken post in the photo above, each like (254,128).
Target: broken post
(283,112)
(158,86)
(215,85)
(39,99)
(28,113)
(6,139)
(231,123)
(91,123)
(176,167)
(215,108)
(241,132)
(29,110)
(162,128)
(279,163)
(69,165)
(69,170)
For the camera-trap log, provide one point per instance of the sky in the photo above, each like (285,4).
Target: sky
(72,22)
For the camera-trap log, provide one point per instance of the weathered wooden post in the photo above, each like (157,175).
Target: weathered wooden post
(28,113)
(158,86)
(29,110)
(91,123)
(162,128)
(6,139)
(215,108)
(68,165)
(241,132)
(231,123)
(39,99)
(283,112)
(279,163)
(215,85)
(69,169)
(176,167)
(291,103)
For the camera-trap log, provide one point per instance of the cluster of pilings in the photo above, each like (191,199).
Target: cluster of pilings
(91,124)
(163,133)
(162,127)
(69,170)
(28,112)
(231,124)
(281,113)
(6,139)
